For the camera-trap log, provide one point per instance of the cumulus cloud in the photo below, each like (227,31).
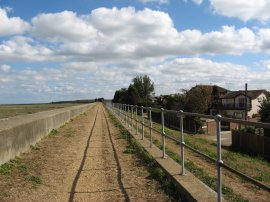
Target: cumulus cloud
(114,35)
(63,26)
(20,48)
(11,25)
(243,9)
(5,68)
(198,2)
(155,1)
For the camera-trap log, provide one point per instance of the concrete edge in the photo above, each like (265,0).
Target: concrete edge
(16,140)
(191,188)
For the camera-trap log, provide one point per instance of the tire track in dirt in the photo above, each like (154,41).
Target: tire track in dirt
(119,170)
(77,166)
(74,184)
(99,144)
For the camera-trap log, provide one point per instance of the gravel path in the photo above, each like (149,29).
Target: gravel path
(85,161)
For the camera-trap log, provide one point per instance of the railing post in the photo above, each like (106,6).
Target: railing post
(182,143)
(151,125)
(125,113)
(132,117)
(163,134)
(128,122)
(219,161)
(121,112)
(142,125)
(136,108)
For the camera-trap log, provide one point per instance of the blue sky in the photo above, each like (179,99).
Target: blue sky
(80,49)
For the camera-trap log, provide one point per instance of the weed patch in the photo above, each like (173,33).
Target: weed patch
(34,148)
(155,172)
(53,133)
(35,180)
(8,167)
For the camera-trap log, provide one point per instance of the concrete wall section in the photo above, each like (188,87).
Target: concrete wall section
(18,133)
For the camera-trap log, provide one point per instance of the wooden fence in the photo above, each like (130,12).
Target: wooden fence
(251,143)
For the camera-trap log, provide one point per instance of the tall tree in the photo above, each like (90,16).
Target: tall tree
(264,112)
(216,102)
(144,87)
(198,100)
(132,95)
(120,96)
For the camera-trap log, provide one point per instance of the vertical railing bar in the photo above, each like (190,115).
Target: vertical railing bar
(151,125)
(136,107)
(163,134)
(128,116)
(182,143)
(219,160)
(132,116)
(142,125)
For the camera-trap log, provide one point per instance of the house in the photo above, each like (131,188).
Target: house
(234,104)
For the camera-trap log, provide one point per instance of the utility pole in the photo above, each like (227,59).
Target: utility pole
(246,104)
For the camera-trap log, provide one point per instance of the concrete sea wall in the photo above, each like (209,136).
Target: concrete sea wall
(18,133)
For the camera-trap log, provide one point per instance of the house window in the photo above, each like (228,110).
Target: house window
(241,102)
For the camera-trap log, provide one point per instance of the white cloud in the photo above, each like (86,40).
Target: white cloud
(20,48)
(5,68)
(243,9)
(198,2)
(113,34)
(63,26)
(155,1)
(125,36)
(266,64)
(11,25)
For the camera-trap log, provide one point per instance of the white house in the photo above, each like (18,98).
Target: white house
(233,103)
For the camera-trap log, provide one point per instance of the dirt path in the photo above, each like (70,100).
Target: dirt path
(85,161)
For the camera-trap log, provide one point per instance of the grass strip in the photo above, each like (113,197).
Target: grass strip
(155,172)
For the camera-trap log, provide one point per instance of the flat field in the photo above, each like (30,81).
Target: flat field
(15,110)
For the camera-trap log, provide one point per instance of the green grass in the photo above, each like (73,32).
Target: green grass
(35,180)
(34,148)
(15,110)
(53,133)
(11,165)
(8,167)
(155,172)
(235,159)
(203,146)
(203,176)
(3,195)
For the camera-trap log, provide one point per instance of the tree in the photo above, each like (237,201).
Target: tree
(216,103)
(144,87)
(120,96)
(132,95)
(264,112)
(197,100)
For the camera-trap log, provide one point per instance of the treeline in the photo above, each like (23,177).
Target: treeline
(139,92)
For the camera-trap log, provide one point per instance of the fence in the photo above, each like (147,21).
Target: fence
(130,114)
(251,143)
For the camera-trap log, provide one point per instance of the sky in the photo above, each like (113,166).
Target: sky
(82,49)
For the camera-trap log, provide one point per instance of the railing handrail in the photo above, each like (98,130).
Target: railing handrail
(123,107)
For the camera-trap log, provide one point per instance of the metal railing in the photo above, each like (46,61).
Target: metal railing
(124,112)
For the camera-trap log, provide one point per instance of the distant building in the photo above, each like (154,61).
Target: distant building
(234,105)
